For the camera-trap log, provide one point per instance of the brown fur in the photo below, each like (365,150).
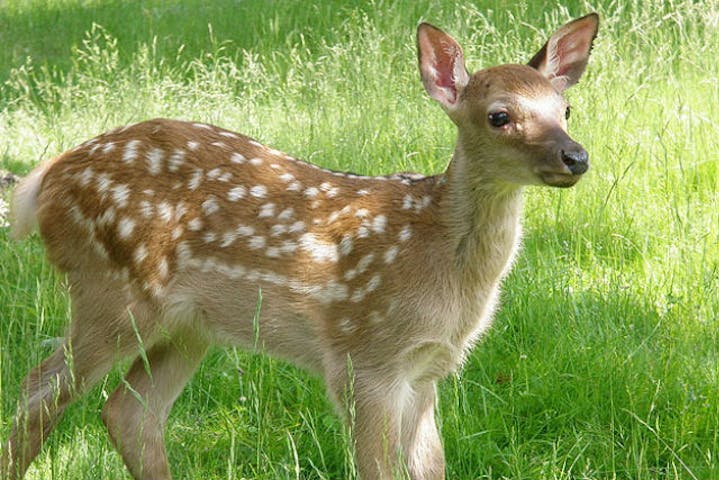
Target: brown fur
(168,231)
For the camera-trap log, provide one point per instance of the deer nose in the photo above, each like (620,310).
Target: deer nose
(577,160)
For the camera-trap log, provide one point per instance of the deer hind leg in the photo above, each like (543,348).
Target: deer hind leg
(99,331)
(136,412)
(46,391)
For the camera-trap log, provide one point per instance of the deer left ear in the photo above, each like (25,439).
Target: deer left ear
(564,57)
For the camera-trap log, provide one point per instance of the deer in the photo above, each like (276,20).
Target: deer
(167,231)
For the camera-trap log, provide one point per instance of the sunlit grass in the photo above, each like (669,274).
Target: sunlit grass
(604,358)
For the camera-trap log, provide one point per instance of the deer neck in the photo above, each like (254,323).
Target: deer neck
(483,220)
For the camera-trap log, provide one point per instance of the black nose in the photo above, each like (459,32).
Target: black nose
(577,160)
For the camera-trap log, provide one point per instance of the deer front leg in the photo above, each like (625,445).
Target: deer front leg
(371,403)
(421,444)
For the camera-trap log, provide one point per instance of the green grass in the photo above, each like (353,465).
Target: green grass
(603,362)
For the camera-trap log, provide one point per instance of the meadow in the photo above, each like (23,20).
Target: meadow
(603,361)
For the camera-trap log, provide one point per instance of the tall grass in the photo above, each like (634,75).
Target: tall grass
(603,361)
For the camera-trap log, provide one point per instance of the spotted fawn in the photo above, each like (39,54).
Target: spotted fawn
(168,231)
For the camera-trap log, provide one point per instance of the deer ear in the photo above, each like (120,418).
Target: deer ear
(441,64)
(564,57)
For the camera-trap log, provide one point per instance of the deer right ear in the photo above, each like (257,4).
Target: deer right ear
(441,64)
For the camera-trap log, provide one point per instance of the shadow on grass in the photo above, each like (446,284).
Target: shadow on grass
(582,376)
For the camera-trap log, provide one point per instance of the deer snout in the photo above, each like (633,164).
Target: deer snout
(576,159)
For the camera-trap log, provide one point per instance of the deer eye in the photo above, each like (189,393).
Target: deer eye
(498,119)
(567,112)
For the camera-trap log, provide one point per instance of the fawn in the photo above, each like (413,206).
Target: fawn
(168,230)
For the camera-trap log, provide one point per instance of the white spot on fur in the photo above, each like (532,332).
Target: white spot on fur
(358,295)
(140,254)
(272,252)
(202,126)
(237,158)
(320,251)
(391,254)
(120,194)
(258,191)
(287,177)
(256,161)
(346,245)
(129,154)
(108,147)
(294,187)
(405,233)
(86,176)
(164,210)
(286,214)
(362,213)
(228,238)
(311,192)
(362,232)
(267,210)
(298,226)
(154,161)
(125,227)
(365,262)
(147,210)
(236,193)
(195,180)
(193,145)
(177,232)
(257,242)
(176,160)
(214,173)
(345,326)
(229,135)
(333,217)
(107,217)
(362,192)
(162,268)
(379,223)
(373,283)
(103,183)
(210,205)
(423,203)
(209,237)
(183,254)
(245,230)
(180,210)
(288,246)
(219,145)
(328,293)
(195,224)
(278,230)
(407,202)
